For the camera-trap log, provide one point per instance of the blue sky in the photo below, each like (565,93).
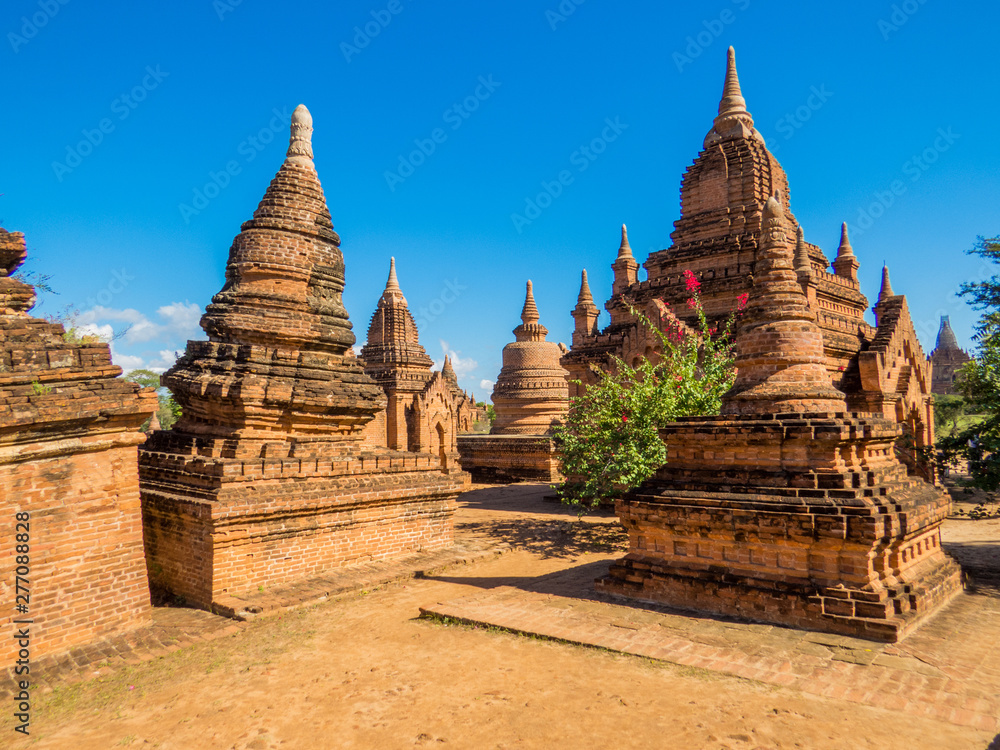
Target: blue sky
(119,115)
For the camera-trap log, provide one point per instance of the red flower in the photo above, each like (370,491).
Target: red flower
(691,282)
(741,301)
(691,303)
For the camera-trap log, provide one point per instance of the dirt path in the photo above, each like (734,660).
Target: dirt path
(364,672)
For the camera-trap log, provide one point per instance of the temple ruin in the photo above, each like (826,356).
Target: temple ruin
(266,478)
(531,397)
(787,508)
(69,430)
(946,360)
(880,369)
(426,411)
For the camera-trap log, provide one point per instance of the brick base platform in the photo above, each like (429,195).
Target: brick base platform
(276,521)
(500,459)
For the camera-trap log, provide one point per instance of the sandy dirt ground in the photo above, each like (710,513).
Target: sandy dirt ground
(365,672)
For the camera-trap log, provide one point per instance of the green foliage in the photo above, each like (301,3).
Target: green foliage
(979,442)
(40,389)
(491,414)
(947,410)
(169,411)
(610,442)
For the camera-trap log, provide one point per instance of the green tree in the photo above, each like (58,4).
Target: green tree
(979,442)
(169,411)
(610,442)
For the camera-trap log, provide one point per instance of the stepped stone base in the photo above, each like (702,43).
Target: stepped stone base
(236,525)
(736,523)
(500,459)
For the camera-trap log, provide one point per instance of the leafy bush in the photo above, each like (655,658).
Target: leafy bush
(610,442)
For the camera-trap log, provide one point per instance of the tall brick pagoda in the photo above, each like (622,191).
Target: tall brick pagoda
(786,508)
(717,237)
(265,478)
(530,397)
(426,410)
(946,359)
(69,430)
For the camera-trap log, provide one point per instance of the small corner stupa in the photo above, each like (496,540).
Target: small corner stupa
(786,508)
(69,430)
(530,398)
(265,479)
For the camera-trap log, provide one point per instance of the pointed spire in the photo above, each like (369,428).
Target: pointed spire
(886,290)
(585,297)
(733,120)
(845,248)
(801,253)
(625,250)
(529,313)
(300,143)
(392,293)
(448,370)
(846,263)
(732,97)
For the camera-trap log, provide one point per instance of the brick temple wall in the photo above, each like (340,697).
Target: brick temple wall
(87,576)
(280,520)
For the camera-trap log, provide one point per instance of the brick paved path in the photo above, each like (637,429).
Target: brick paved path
(948,670)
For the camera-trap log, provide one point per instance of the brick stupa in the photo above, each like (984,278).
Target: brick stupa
(265,478)
(531,397)
(786,508)
(879,369)
(69,428)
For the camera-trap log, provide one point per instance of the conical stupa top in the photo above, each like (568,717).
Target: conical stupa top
(392,293)
(886,290)
(946,337)
(300,143)
(625,250)
(845,248)
(586,298)
(448,370)
(732,98)
(529,313)
(733,119)
(801,253)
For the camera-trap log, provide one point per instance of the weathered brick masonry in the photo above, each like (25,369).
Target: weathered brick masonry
(880,369)
(787,508)
(266,478)
(68,436)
